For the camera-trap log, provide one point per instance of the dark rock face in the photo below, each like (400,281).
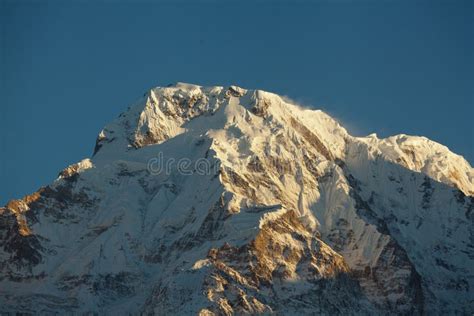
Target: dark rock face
(19,251)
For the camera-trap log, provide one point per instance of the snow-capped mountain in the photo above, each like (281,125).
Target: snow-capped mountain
(212,200)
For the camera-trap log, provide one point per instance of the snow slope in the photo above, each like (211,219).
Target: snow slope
(213,200)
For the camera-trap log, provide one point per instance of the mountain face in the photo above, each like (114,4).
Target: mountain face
(220,201)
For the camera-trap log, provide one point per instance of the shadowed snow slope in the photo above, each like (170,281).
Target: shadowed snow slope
(213,200)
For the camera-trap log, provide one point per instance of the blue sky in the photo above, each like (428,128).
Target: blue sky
(378,66)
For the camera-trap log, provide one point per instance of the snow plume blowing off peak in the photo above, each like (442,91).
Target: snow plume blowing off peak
(213,200)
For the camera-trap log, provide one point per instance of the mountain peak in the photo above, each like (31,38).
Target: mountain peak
(166,112)
(213,200)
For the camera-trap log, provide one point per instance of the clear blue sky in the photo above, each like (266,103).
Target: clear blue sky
(378,66)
